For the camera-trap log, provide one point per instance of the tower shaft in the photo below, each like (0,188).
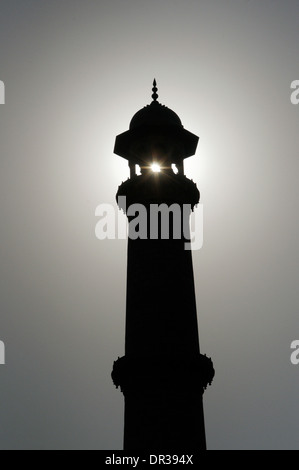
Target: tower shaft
(164,411)
(161,309)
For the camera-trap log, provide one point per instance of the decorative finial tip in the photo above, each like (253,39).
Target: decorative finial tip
(155,96)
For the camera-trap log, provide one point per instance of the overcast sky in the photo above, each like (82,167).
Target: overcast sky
(75,72)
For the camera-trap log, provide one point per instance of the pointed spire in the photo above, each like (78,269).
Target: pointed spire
(155,89)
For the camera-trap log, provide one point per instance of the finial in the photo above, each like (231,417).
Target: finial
(155,89)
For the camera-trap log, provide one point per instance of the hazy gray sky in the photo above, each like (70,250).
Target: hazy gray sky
(75,73)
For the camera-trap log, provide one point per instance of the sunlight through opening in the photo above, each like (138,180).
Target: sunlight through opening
(174,168)
(155,168)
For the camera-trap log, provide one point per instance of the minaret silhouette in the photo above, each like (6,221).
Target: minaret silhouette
(162,375)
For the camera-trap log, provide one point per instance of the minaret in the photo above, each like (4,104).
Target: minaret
(162,375)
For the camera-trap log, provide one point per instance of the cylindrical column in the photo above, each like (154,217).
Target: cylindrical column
(163,375)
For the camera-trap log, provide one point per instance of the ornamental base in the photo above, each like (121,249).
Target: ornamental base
(168,373)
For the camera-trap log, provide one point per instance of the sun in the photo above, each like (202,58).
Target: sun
(155,168)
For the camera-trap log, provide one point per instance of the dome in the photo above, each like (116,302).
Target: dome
(155,114)
(155,118)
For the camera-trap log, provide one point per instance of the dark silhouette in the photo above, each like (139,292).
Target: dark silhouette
(162,375)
